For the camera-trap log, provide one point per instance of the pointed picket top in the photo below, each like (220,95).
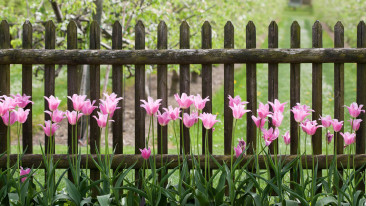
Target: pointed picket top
(361,35)
(162,35)
(50,35)
(4,35)
(338,35)
(72,39)
(273,35)
(184,35)
(250,35)
(295,34)
(317,35)
(27,35)
(117,35)
(206,35)
(139,35)
(229,35)
(94,35)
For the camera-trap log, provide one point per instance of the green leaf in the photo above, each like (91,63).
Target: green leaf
(104,200)
(326,201)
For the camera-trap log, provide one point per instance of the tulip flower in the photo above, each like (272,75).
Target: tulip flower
(56,116)
(300,113)
(277,118)
(263,110)
(337,126)
(112,97)
(24,172)
(49,128)
(303,107)
(238,110)
(287,138)
(173,113)
(236,100)
(184,101)
(7,104)
(13,118)
(348,138)
(355,110)
(23,101)
(145,153)
(163,119)
(88,107)
(309,127)
(72,117)
(78,101)
(102,119)
(355,123)
(329,137)
(242,144)
(270,135)
(190,120)
(208,120)
(258,121)
(277,106)
(238,151)
(53,102)
(326,121)
(21,115)
(150,105)
(200,103)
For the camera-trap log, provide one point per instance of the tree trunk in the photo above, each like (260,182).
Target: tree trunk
(174,83)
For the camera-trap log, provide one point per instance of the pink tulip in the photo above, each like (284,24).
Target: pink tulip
(238,110)
(7,104)
(109,105)
(53,102)
(24,172)
(309,127)
(355,110)
(337,126)
(163,119)
(329,137)
(355,123)
(258,121)
(78,101)
(277,118)
(112,97)
(277,106)
(326,121)
(88,107)
(238,151)
(145,153)
(287,138)
(190,120)
(102,120)
(263,110)
(13,118)
(236,100)
(151,106)
(173,113)
(56,116)
(303,107)
(21,115)
(208,120)
(49,128)
(269,135)
(184,101)
(242,144)
(23,101)
(299,113)
(73,117)
(348,138)
(200,103)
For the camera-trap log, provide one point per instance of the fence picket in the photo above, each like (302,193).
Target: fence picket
(27,88)
(5,80)
(361,97)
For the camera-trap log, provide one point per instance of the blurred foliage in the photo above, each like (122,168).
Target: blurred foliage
(349,12)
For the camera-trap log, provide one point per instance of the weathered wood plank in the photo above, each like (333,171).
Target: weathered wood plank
(49,78)
(184,83)
(361,96)
(183,56)
(228,89)
(117,79)
(27,88)
(5,80)
(251,86)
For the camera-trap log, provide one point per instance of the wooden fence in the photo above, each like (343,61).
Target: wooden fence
(184,57)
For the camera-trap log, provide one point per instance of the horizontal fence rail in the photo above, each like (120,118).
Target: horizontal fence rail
(183,56)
